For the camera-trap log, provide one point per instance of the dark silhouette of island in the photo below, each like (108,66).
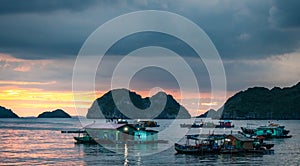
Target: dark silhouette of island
(54,114)
(7,113)
(210,114)
(106,107)
(260,103)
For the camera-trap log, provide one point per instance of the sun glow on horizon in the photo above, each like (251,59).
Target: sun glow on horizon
(36,101)
(33,101)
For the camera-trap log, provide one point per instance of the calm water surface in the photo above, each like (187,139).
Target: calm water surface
(39,142)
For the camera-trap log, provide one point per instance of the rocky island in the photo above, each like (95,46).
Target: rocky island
(106,107)
(263,103)
(260,103)
(210,114)
(7,113)
(54,114)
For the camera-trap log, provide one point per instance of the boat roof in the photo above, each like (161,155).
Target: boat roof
(267,127)
(107,126)
(151,131)
(217,136)
(193,137)
(225,121)
(241,137)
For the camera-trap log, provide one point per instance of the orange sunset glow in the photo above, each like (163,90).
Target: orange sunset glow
(31,102)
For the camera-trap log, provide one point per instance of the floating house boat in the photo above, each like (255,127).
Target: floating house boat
(116,133)
(270,131)
(223,144)
(238,143)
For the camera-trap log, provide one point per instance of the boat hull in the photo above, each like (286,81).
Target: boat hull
(253,132)
(249,151)
(221,126)
(195,150)
(191,125)
(83,140)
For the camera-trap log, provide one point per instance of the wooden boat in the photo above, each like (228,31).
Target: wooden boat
(225,124)
(85,139)
(224,144)
(196,124)
(238,143)
(200,146)
(270,131)
(146,123)
(209,125)
(114,133)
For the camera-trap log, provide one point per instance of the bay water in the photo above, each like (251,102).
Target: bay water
(33,141)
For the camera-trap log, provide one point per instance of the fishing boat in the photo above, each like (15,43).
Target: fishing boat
(225,124)
(146,123)
(85,138)
(269,131)
(197,145)
(209,125)
(196,124)
(193,125)
(114,133)
(238,143)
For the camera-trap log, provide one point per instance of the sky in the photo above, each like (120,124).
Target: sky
(257,41)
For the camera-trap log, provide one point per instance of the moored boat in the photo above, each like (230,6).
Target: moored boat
(146,123)
(193,125)
(208,125)
(115,133)
(84,139)
(200,146)
(270,131)
(238,143)
(225,124)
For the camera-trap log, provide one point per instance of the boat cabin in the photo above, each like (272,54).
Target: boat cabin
(225,123)
(238,141)
(145,135)
(269,130)
(119,133)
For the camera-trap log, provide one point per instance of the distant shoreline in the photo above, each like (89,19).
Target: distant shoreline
(133,119)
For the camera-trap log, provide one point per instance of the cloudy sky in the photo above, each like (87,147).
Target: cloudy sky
(258,42)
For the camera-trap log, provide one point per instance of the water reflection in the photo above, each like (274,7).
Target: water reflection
(96,153)
(125,154)
(198,158)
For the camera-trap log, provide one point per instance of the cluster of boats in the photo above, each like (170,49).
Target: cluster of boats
(249,140)
(201,124)
(223,144)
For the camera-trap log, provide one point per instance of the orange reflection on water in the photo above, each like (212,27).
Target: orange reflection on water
(36,147)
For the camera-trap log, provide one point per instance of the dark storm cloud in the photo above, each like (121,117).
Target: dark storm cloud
(50,29)
(42,6)
(40,29)
(285,14)
(247,34)
(241,30)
